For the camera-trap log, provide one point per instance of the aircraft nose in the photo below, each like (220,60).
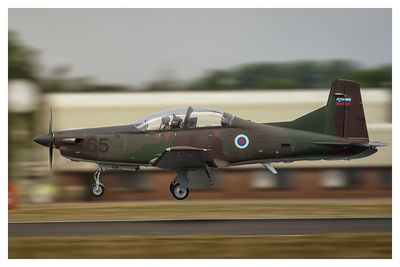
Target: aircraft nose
(43,140)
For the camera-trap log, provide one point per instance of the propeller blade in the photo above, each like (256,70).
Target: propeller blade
(51,122)
(51,156)
(51,136)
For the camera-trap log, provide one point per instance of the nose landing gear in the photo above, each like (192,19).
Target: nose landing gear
(97,189)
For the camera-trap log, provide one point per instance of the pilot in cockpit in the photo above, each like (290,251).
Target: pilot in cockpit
(165,123)
(176,122)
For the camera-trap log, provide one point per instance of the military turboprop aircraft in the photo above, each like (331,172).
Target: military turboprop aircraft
(189,138)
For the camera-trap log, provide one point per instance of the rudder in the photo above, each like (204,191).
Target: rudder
(346,107)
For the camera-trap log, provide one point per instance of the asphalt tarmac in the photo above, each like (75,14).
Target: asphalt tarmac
(203,227)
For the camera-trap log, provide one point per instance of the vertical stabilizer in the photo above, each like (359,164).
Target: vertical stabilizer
(346,107)
(342,116)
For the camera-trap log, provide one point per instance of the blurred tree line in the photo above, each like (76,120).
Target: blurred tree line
(293,75)
(21,59)
(23,63)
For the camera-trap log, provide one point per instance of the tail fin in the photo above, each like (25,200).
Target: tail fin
(342,116)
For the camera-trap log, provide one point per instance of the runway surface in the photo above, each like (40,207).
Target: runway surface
(202,227)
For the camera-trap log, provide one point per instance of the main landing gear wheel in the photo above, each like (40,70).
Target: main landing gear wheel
(179,192)
(97,190)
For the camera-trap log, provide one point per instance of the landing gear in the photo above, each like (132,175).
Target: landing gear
(97,189)
(179,187)
(179,192)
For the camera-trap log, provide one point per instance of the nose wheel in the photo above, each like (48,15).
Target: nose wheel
(97,189)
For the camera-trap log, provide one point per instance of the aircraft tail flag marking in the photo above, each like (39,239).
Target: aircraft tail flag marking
(343,101)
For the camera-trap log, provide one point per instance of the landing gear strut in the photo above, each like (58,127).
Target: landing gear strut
(97,189)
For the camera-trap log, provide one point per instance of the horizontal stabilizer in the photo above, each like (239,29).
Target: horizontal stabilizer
(373,144)
(367,144)
(333,143)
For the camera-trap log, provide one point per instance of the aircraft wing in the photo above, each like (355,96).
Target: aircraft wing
(183,157)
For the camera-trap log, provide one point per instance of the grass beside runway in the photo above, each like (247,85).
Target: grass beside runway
(201,210)
(285,247)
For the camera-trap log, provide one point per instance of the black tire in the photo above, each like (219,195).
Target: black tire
(178,192)
(171,186)
(97,192)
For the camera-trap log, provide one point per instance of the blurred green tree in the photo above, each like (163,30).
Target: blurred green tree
(292,75)
(22,60)
(217,79)
(378,77)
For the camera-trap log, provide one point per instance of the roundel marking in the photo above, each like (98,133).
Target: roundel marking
(241,141)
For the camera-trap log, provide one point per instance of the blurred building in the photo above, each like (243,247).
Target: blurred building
(369,177)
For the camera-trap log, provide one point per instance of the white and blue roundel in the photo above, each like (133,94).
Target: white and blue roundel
(241,141)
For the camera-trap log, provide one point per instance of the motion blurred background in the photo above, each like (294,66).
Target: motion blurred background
(99,67)
(104,67)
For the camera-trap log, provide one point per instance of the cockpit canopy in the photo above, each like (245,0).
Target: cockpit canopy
(184,117)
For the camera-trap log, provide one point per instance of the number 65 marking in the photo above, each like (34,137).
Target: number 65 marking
(94,146)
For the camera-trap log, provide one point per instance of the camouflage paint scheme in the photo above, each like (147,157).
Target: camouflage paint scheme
(335,131)
(268,142)
(265,144)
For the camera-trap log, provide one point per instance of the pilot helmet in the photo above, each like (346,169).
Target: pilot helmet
(176,121)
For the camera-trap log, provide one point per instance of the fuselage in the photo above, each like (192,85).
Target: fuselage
(264,143)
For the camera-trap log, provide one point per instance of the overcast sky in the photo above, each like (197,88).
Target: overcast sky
(134,46)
